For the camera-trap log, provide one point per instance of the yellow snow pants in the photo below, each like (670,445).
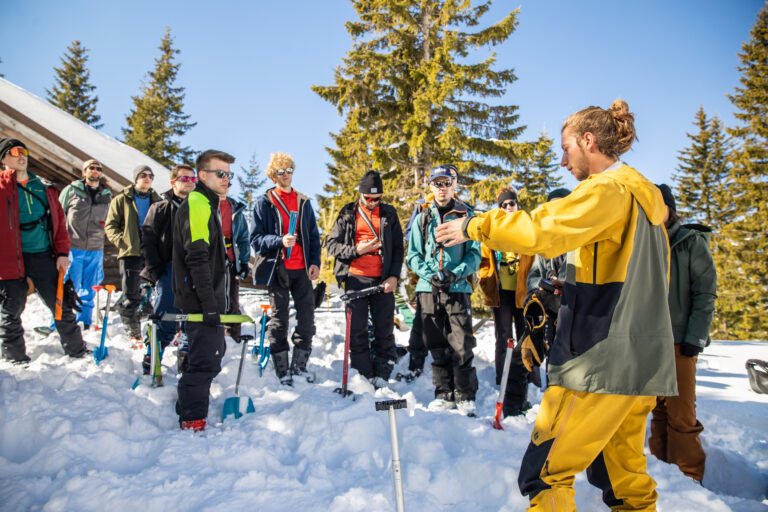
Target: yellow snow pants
(602,434)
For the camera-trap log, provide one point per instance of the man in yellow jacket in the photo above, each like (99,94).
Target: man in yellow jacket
(613,348)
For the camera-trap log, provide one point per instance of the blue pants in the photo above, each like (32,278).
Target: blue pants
(86,269)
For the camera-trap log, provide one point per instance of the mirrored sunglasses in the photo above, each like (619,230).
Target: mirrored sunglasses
(221,174)
(18,151)
(442,183)
(186,179)
(371,199)
(288,170)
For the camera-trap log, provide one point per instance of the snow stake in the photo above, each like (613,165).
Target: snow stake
(503,388)
(291,231)
(347,298)
(232,405)
(397,473)
(262,352)
(101,351)
(59,295)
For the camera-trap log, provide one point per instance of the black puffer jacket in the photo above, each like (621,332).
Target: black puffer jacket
(341,242)
(157,236)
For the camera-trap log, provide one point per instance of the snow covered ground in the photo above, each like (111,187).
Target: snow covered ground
(75,436)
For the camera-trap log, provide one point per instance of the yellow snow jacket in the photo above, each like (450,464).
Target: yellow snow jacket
(614,332)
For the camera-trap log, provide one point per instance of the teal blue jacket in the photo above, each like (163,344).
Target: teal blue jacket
(425,258)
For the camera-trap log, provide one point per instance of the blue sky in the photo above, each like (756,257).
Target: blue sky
(248,67)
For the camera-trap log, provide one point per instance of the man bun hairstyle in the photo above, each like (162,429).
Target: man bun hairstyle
(278,161)
(613,128)
(206,156)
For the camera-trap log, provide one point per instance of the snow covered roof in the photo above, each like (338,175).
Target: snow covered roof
(59,143)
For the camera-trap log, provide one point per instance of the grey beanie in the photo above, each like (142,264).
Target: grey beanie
(138,170)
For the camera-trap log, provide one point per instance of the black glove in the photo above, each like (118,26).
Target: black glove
(244,273)
(689,350)
(550,296)
(443,279)
(211,318)
(71,298)
(534,313)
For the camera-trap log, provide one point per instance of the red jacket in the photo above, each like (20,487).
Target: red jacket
(11,261)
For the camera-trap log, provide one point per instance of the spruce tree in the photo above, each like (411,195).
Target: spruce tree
(745,284)
(72,91)
(250,183)
(157,119)
(702,177)
(412,91)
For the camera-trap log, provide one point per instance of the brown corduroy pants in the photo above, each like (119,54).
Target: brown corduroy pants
(674,427)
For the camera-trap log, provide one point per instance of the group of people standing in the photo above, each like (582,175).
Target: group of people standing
(586,282)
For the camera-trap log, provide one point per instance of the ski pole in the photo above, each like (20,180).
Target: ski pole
(59,295)
(397,473)
(291,231)
(503,388)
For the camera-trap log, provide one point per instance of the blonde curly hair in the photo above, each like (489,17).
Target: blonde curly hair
(278,161)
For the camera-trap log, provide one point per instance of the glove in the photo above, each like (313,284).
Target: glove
(443,279)
(532,349)
(244,273)
(689,350)
(549,296)
(71,298)
(211,318)
(534,314)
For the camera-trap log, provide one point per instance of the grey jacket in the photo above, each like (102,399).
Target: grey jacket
(85,216)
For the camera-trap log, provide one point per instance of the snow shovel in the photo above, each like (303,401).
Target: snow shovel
(101,352)
(503,388)
(260,354)
(233,406)
(291,231)
(397,473)
(59,295)
(347,298)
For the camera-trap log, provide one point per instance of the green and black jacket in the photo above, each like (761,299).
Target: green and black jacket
(200,276)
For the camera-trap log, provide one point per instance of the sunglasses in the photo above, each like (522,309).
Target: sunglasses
(280,172)
(508,204)
(371,199)
(442,183)
(18,151)
(186,179)
(95,168)
(146,175)
(221,174)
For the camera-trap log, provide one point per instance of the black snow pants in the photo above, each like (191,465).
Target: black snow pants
(206,349)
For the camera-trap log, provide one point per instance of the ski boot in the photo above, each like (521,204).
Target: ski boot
(299,364)
(280,360)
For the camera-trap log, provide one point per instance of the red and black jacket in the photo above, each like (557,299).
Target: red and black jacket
(11,261)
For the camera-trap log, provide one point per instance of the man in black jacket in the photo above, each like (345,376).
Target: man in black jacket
(200,284)
(367,242)
(157,249)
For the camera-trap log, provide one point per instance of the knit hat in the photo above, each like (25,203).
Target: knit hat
(90,162)
(444,171)
(558,193)
(7,144)
(138,170)
(506,196)
(666,194)
(371,183)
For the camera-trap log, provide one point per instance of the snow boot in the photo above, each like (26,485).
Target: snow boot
(299,364)
(409,376)
(442,401)
(467,408)
(516,409)
(280,360)
(193,425)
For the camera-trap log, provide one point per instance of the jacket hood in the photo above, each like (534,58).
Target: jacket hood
(236,205)
(679,232)
(645,192)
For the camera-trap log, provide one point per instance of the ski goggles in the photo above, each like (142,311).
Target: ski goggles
(186,179)
(221,174)
(18,151)
(288,170)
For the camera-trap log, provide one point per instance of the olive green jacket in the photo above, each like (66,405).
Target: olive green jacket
(122,225)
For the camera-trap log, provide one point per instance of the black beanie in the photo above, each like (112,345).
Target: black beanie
(7,144)
(666,194)
(506,196)
(558,193)
(371,183)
